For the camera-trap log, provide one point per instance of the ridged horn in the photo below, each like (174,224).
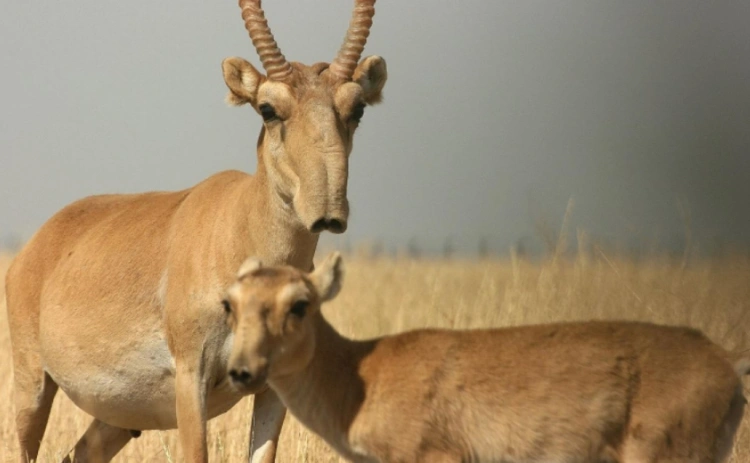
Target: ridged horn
(354,43)
(276,66)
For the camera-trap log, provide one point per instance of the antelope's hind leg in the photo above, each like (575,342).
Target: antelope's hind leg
(34,392)
(33,389)
(100,443)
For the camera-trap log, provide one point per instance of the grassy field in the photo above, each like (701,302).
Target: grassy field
(385,296)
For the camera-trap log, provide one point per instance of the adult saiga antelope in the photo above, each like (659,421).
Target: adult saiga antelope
(116,300)
(597,392)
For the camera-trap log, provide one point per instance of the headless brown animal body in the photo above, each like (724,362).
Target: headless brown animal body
(594,392)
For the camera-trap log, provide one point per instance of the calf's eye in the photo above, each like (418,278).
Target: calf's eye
(299,309)
(227,306)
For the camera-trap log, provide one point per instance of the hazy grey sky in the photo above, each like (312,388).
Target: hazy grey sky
(495,112)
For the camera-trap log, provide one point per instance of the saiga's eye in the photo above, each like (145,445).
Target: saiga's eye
(268,113)
(357,113)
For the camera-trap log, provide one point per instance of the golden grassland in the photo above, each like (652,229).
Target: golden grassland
(388,295)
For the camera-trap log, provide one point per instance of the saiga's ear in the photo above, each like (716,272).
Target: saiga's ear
(371,75)
(328,277)
(242,79)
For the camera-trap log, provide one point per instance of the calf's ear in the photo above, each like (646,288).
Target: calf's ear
(250,265)
(328,277)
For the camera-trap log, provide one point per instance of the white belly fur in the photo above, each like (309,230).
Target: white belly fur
(136,391)
(132,394)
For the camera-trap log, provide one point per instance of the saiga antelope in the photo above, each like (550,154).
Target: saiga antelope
(596,392)
(116,300)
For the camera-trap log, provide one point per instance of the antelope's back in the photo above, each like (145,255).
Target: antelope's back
(108,247)
(91,248)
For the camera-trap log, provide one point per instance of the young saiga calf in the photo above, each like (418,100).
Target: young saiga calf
(575,392)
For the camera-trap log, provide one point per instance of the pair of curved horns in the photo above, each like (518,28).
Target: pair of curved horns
(279,69)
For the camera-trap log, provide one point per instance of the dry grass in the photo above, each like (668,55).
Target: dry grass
(384,296)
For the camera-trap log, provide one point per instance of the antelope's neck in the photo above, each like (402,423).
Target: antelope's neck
(277,235)
(328,393)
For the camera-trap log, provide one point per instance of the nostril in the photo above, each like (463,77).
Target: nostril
(319,225)
(240,376)
(336,226)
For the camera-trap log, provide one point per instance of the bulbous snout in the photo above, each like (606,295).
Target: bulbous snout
(330,214)
(248,377)
(321,201)
(333,225)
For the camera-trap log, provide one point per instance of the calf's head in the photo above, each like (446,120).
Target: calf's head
(272,312)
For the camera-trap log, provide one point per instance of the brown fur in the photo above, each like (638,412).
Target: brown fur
(116,299)
(576,392)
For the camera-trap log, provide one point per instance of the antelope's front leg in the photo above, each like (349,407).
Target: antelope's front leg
(191,413)
(268,416)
